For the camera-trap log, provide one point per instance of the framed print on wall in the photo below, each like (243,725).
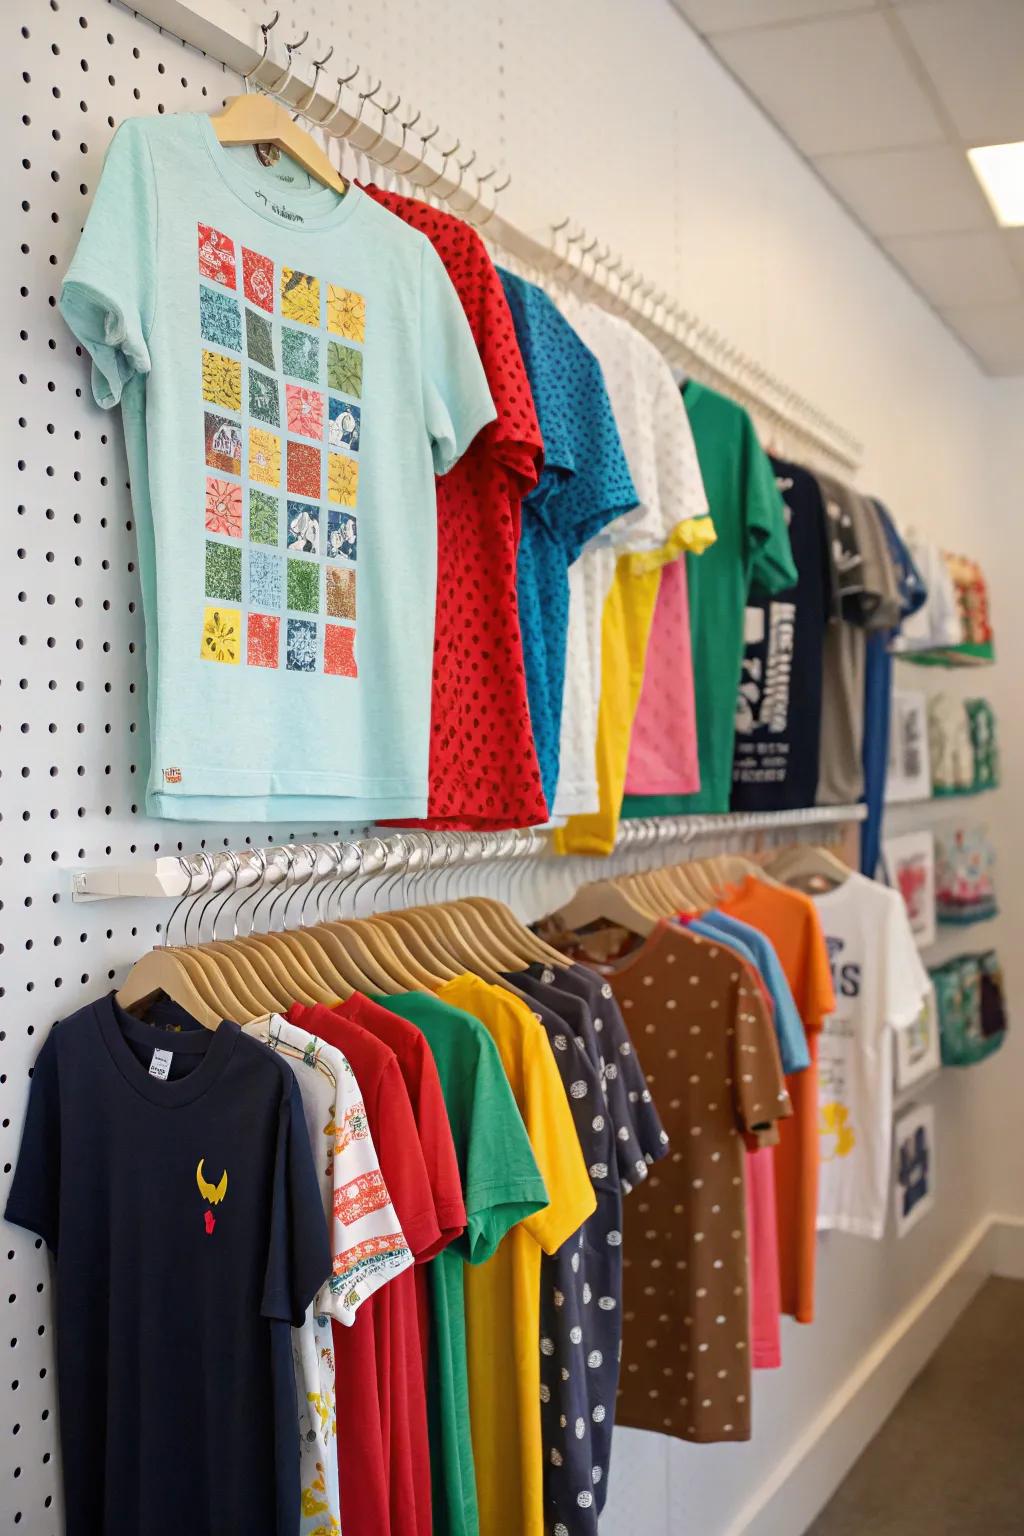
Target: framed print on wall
(918,1053)
(913,1166)
(909,862)
(909,774)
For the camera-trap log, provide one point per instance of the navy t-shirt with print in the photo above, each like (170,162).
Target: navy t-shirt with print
(778,707)
(584,485)
(188,1230)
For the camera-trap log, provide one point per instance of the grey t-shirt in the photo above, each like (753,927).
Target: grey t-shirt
(864,596)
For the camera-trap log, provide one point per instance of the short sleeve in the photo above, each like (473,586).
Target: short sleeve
(456,400)
(108,296)
(905,979)
(34,1198)
(299,1256)
(556,1147)
(438,1149)
(503,1183)
(788,1026)
(759,1093)
(640,1137)
(768,548)
(402,1164)
(368,1245)
(817,998)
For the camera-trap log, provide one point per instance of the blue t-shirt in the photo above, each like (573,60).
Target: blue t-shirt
(585,484)
(878,692)
(293,365)
(761,951)
(185,1217)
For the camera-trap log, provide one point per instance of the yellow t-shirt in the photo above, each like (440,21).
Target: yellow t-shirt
(625,630)
(503,1295)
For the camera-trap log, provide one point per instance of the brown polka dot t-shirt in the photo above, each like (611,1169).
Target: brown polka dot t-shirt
(712,1061)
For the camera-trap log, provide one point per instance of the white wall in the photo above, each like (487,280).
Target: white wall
(619,116)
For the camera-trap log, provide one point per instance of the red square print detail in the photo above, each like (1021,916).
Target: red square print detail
(263,640)
(258,278)
(340,651)
(216,257)
(304,470)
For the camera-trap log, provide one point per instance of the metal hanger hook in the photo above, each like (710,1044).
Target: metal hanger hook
(206,860)
(291,49)
(329,116)
(186,865)
(302,109)
(266,27)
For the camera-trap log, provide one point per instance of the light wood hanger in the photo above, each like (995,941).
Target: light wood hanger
(161,971)
(422,941)
(607,901)
(258,119)
(809,868)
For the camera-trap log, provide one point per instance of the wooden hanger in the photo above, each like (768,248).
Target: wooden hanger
(423,942)
(162,971)
(606,901)
(258,119)
(810,868)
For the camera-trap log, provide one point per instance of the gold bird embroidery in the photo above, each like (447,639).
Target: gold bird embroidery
(834,1126)
(214,1193)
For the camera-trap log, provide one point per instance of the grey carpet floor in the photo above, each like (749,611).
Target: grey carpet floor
(950,1459)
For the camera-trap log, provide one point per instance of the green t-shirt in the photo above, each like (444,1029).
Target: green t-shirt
(501,1186)
(751,549)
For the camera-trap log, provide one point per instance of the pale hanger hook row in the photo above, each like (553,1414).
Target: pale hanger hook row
(329,116)
(266,27)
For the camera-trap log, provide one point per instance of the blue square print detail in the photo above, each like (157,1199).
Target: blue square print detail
(304,527)
(266,579)
(301,645)
(344,428)
(220,320)
(341,535)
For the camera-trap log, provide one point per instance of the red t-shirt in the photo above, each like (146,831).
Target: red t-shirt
(483,763)
(379,1491)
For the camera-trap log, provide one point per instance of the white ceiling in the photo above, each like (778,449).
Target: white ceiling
(884,97)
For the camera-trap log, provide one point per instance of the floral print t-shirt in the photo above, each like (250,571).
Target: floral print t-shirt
(293,366)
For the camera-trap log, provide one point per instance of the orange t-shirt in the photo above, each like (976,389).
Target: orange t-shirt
(789,919)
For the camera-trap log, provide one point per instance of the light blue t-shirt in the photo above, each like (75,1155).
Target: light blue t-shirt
(788,1025)
(293,366)
(584,485)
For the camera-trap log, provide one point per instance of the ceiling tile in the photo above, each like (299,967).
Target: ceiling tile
(833,86)
(712,16)
(994,333)
(974,52)
(1013,240)
(958,269)
(908,191)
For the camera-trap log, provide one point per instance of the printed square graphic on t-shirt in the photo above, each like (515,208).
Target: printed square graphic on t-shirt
(305,409)
(341,592)
(346,313)
(300,296)
(222,635)
(341,535)
(264,398)
(223,507)
(342,479)
(258,278)
(259,338)
(300,354)
(216,256)
(304,470)
(344,429)
(304,586)
(223,571)
(345,369)
(304,527)
(223,443)
(264,456)
(301,645)
(219,319)
(266,579)
(264,517)
(222,380)
(264,639)
(340,651)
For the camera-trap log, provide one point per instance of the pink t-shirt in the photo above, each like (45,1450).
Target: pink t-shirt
(663,746)
(763,1251)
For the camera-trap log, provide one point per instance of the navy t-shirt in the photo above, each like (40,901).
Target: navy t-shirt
(778,708)
(188,1229)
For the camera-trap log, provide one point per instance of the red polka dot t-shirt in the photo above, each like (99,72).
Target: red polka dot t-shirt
(483,764)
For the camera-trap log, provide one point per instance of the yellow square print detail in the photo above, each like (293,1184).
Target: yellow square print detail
(264,456)
(300,296)
(222,380)
(342,480)
(346,313)
(222,635)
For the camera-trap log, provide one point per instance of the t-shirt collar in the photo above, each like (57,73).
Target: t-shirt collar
(213,1048)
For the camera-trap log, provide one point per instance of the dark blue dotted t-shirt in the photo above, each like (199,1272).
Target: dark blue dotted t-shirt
(585,484)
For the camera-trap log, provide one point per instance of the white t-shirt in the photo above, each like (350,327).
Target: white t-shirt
(662,459)
(360,1217)
(880,984)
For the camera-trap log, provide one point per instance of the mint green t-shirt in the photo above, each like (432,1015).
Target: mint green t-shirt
(293,365)
(501,1186)
(751,549)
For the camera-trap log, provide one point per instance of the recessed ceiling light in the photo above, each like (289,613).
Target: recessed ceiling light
(1000,169)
